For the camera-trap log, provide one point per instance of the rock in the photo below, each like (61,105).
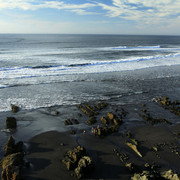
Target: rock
(15,159)
(116,122)
(11,122)
(170,175)
(131,167)
(134,148)
(128,134)
(70,165)
(14,108)
(68,122)
(145,175)
(11,173)
(104,120)
(92,120)
(72,132)
(91,109)
(84,166)
(75,121)
(110,115)
(11,147)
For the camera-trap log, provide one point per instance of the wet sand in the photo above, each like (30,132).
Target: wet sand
(46,153)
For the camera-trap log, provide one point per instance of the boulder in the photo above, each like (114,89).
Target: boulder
(14,108)
(11,122)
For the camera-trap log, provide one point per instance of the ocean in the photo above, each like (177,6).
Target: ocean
(47,70)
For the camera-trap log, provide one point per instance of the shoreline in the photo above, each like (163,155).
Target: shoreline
(158,144)
(43,130)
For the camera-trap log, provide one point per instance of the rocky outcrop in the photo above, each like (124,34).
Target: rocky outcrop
(11,123)
(12,161)
(84,166)
(11,147)
(78,161)
(172,106)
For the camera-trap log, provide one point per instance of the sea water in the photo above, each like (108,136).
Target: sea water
(46,70)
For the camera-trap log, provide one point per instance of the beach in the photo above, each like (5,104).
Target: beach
(89,106)
(46,138)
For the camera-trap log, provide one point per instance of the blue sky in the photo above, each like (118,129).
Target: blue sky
(90,16)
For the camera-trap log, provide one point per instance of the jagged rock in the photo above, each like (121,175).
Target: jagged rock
(11,173)
(91,109)
(170,175)
(84,165)
(14,108)
(134,148)
(11,122)
(92,121)
(85,110)
(107,130)
(11,147)
(104,120)
(70,165)
(15,159)
(110,115)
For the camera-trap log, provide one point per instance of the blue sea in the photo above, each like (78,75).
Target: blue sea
(46,70)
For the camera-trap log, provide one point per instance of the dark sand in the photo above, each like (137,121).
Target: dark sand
(46,153)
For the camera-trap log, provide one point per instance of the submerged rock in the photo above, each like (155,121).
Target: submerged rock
(11,122)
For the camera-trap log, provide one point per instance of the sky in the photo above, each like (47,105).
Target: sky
(153,17)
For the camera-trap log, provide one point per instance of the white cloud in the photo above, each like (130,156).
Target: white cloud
(80,9)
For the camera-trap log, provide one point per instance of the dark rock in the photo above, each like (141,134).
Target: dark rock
(9,147)
(84,166)
(92,120)
(75,121)
(14,108)
(11,165)
(68,122)
(110,115)
(72,132)
(11,122)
